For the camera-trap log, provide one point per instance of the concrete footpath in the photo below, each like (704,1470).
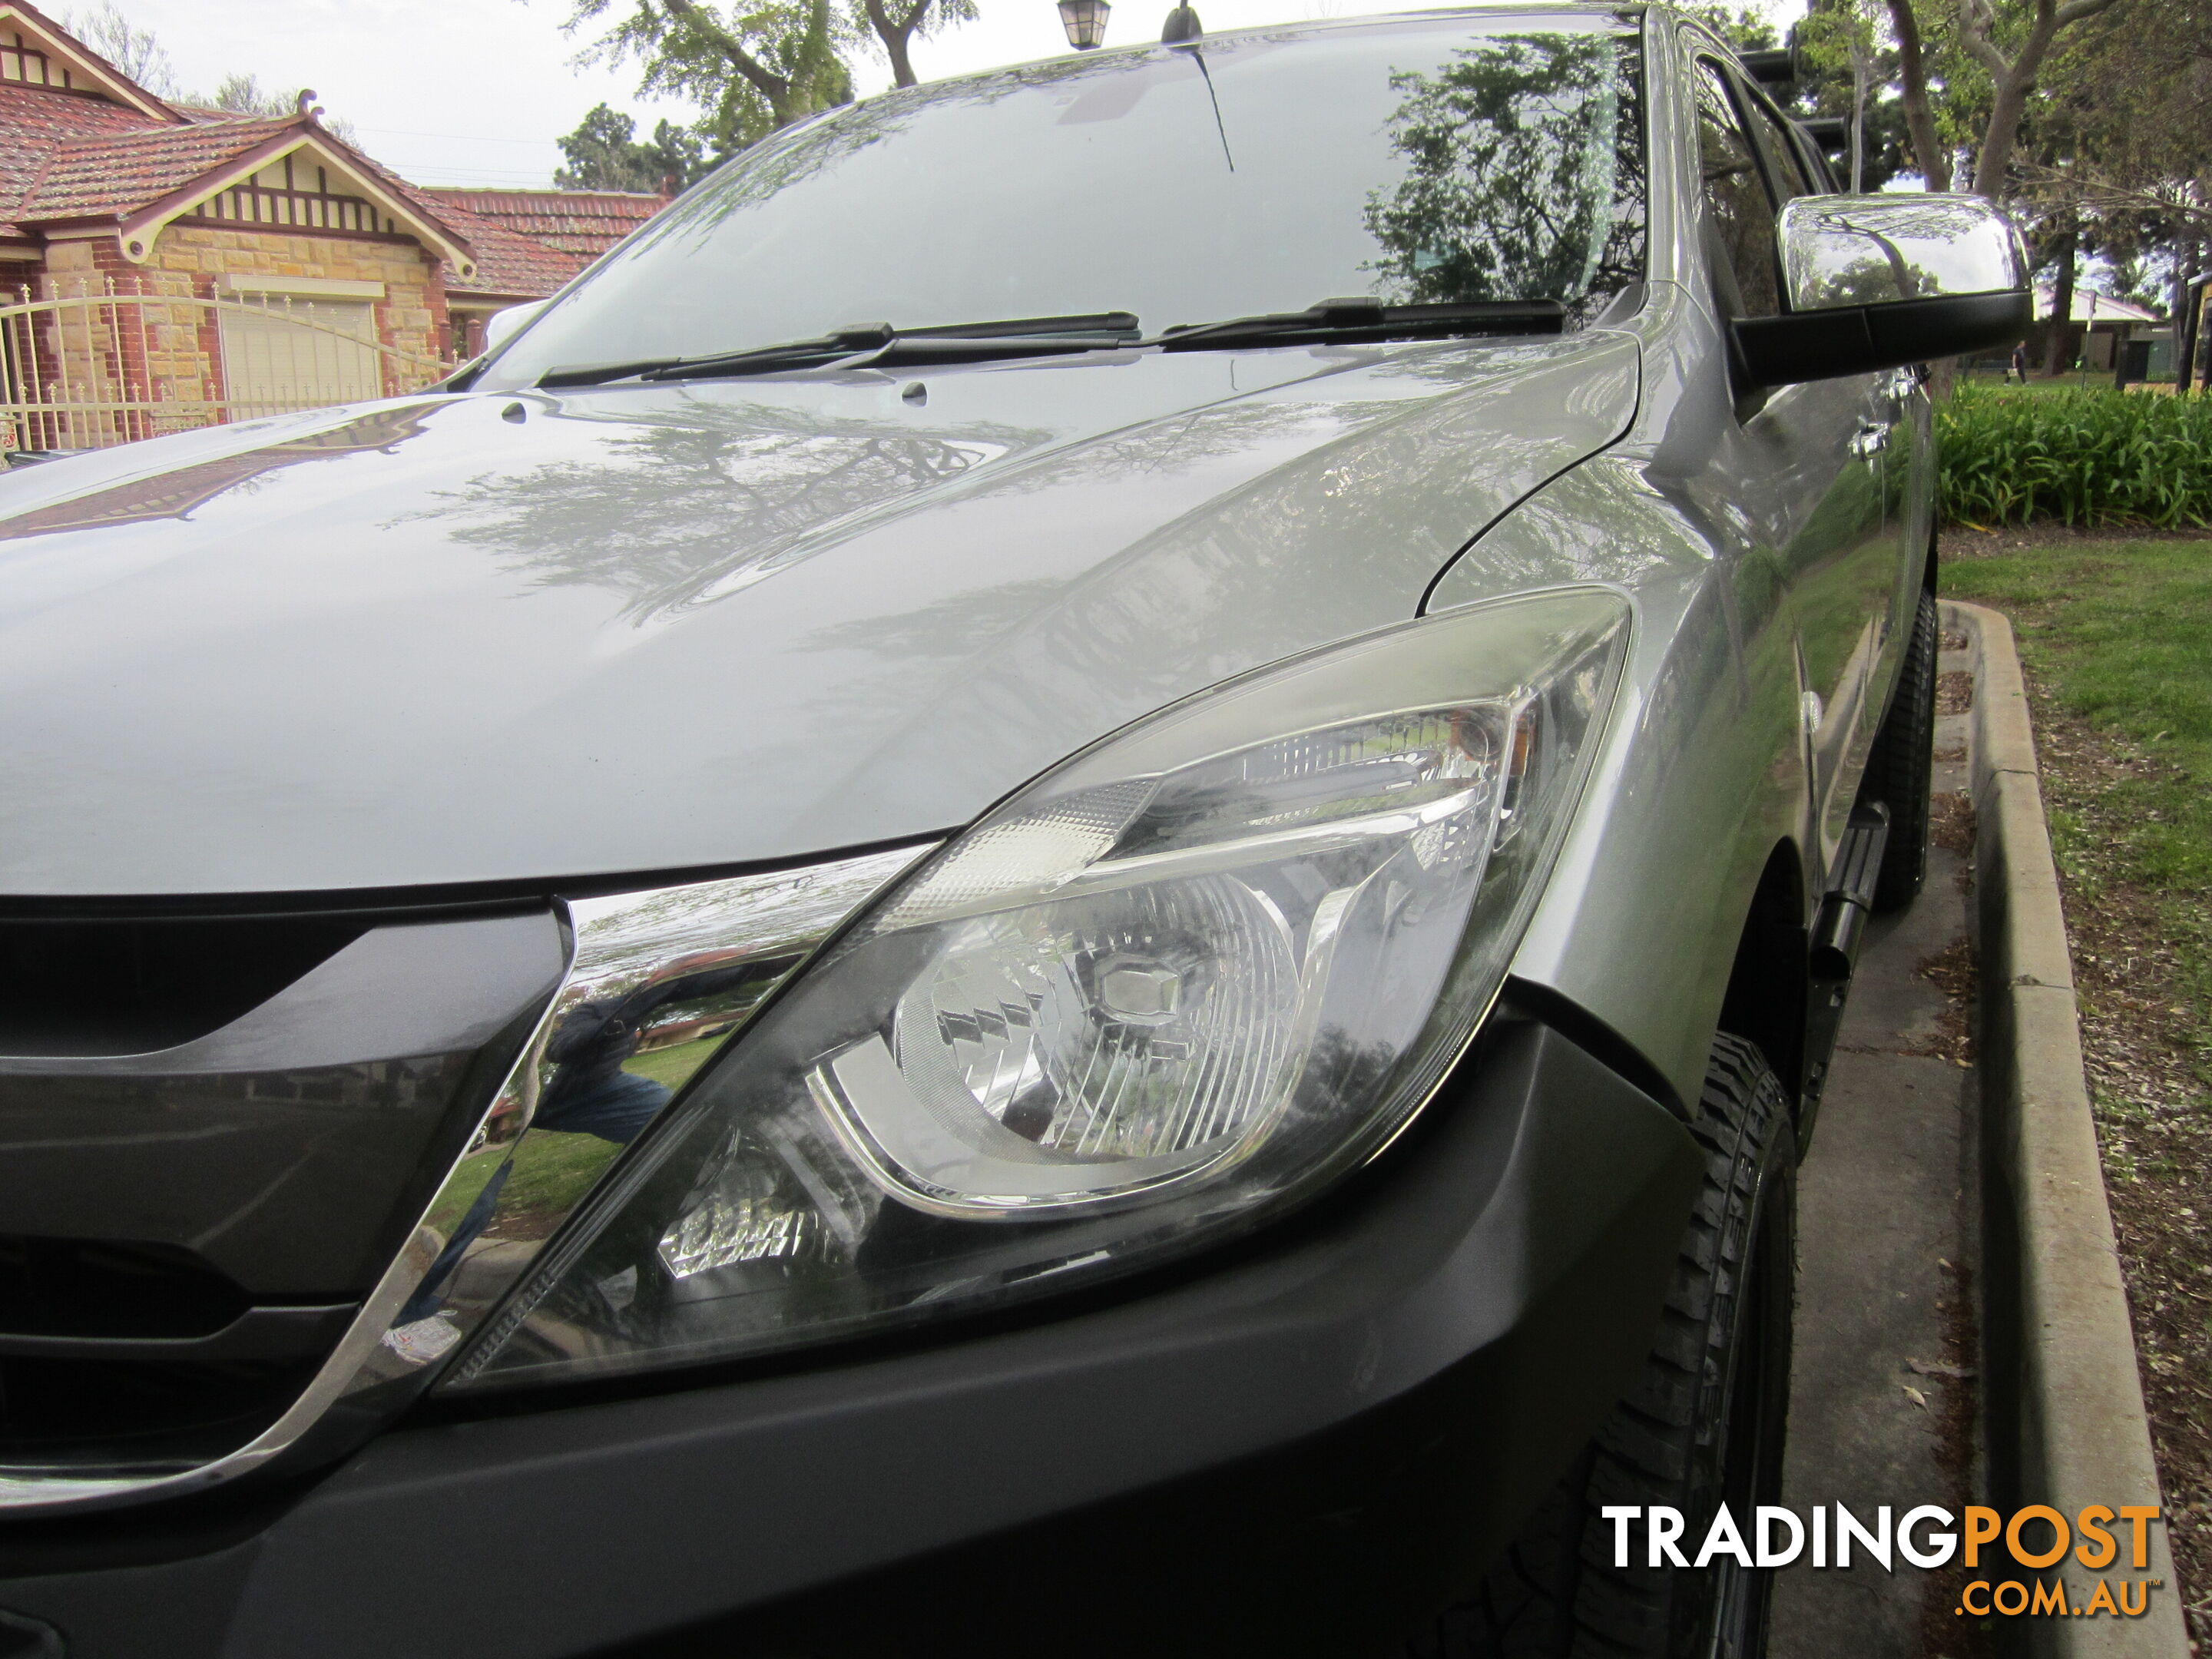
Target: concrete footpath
(1887,1241)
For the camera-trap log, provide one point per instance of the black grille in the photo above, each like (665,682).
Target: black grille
(83,1366)
(103,1290)
(127,987)
(209,1169)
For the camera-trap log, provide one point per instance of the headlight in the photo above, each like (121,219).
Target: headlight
(1169,990)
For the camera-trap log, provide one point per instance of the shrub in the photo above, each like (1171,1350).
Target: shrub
(2085,455)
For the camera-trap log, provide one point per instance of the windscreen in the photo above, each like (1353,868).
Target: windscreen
(1441,159)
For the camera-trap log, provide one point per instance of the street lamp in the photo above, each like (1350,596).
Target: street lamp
(1086,22)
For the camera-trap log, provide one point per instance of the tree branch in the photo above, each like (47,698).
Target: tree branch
(2074,10)
(771,86)
(1912,86)
(1973,34)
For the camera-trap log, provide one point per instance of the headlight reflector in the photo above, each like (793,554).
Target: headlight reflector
(1172,987)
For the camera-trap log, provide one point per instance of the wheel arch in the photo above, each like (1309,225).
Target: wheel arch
(1766,1001)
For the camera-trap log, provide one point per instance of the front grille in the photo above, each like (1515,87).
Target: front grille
(205,1172)
(124,987)
(104,1289)
(121,1352)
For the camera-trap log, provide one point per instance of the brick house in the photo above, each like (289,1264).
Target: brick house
(182,265)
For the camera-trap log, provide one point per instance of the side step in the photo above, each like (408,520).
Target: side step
(1836,932)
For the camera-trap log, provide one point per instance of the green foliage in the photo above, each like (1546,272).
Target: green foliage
(1844,65)
(753,70)
(2084,456)
(1746,29)
(604,153)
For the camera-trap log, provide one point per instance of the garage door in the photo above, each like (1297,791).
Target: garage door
(277,359)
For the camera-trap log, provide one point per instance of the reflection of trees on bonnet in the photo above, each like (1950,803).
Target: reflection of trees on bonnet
(1524,176)
(670,508)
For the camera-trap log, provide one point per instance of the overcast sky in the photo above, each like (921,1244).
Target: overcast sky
(474,92)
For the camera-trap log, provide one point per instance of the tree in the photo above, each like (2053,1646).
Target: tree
(136,52)
(1984,31)
(1838,41)
(1744,28)
(244,94)
(897,27)
(752,72)
(604,153)
(1928,150)
(2119,144)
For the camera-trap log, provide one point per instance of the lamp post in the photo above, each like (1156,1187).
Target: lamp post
(1086,22)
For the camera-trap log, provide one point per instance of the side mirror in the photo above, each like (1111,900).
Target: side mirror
(1879,281)
(502,325)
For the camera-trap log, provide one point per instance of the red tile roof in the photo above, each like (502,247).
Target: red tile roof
(528,242)
(508,265)
(33,120)
(212,113)
(581,221)
(112,176)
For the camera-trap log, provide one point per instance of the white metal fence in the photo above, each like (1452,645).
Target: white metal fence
(108,364)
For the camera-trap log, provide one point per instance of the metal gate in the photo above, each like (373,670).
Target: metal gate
(106,365)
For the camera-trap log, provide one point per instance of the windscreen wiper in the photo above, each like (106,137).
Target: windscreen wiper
(878,345)
(1356,320)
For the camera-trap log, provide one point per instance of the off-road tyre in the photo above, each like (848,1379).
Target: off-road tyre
(1896,771)
(1705,1421)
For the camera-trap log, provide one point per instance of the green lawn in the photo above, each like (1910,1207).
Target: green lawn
(2117,637)
(2119,633)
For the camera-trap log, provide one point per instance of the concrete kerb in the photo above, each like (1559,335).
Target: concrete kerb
(2064,1405)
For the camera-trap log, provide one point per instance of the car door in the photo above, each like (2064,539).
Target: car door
(1908,476)
(1894,436)
(1815,456)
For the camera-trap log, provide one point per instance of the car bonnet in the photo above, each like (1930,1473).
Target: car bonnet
(531,636)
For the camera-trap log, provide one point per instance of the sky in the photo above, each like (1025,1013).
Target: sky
(475,92)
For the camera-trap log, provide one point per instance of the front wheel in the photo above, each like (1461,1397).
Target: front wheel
(1704,1425)
(1897,770)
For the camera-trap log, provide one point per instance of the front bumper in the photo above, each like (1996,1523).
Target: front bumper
(1313,1444)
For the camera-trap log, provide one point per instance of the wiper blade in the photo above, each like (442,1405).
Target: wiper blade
(794,354)
(1356,321)
(877,344)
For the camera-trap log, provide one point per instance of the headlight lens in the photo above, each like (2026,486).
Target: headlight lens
(1172,988)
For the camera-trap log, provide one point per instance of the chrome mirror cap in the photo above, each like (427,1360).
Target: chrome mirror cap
(1841,252)
(1880,282)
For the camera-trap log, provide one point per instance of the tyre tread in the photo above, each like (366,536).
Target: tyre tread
(1897,770)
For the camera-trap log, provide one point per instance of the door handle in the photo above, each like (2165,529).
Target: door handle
(1871,439)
